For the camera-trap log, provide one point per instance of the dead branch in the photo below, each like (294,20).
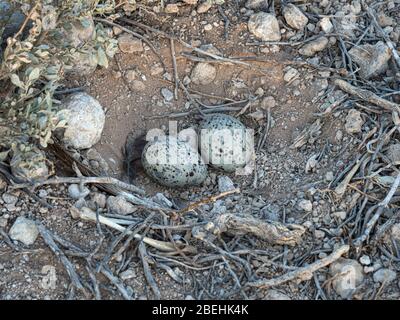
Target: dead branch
(303,273)
(367,95)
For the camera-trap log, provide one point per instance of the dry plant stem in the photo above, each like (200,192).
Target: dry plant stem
(381,207)
(367,95)
(91,216)
(21,29)
(117,282)
(341,188)
(176,78)
(49,240)
(208,200)
(147,272)
(271,231)
(84,180)
(303,273)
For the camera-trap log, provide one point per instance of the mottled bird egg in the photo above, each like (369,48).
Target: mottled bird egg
(173,163)
(225,142)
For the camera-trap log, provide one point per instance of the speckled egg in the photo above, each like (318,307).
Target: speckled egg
(173,163)
(225,142)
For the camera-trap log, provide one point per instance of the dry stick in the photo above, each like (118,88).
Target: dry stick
(367,95)
(381,206)
(147,273)
(21,29)
(49,240)
(137,35)
(117,282)
(303,273)
(84,180)
(176,78)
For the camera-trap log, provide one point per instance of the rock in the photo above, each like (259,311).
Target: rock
(395,232)
(261,5)
(167,94)
(85,120)
(93,155)
(384,276)
(312,47)
(79,31)
(225,184)
(9,198)
(347,275)
(354,122)
(365,260)
(305,205)
(393,153)
(49,281)
(3,222)
(208,27)
(42,194)
(117,31)
(203,73)
(190,2)
(131,75)
(29,165)
(128,274)
(138,85)
(225,143)
(268,102)
(340,214)
(319,234)
(372,59)
(294,17)
(24,230)
(204,7)
(99,199)
(171,8)
(276,295)
(264,26)
(75,193)
(384,20)
(326,25)
(119,205)
(290,74)
(209,48)
(127,43)
(173,163)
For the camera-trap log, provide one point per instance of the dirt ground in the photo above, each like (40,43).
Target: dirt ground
(281,180)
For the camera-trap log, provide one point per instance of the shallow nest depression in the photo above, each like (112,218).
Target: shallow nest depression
(322,199)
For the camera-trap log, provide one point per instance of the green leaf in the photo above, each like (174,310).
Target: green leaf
(102,57)
(15,80)
(34,75)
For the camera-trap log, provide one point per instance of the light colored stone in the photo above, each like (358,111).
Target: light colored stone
(3,222)
(138,85)
(24,230)
(190,2)
(225,184)
(340,214)
(384,276)
(204,7)
(171,8)
(354,122)
(167,94)
(117,31)
(312,47)
(268,102)
(305,205)
(119,205)
(347,275)
(9,198)
(85,120)
(393,153)
(99,199)
(276,295)
(326,25)
(395,232)
(131,75)
(208,27)
(365,260)
(257,4)
(372,59)
(79,31)
(128,274)
(290,74)
(203,73)
(75,193)
(264,26)
(294,17)
(49,280)
(127,43)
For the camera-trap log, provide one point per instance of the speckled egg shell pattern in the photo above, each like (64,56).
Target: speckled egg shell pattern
(159,163)
(214,146)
